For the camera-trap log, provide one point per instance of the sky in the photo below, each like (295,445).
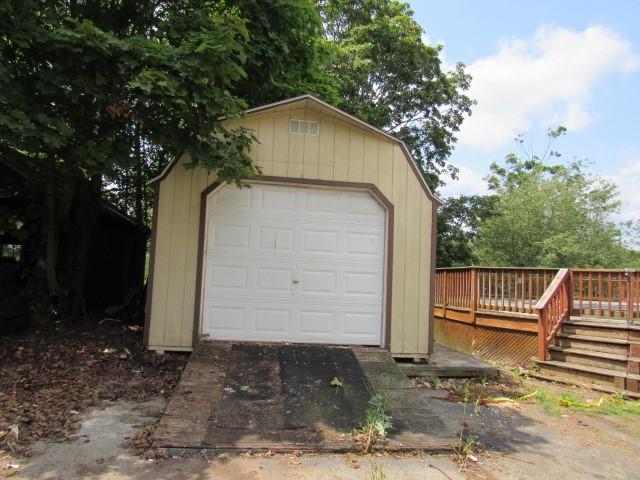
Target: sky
(537,65)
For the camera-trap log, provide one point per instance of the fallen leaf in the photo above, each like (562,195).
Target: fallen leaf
(336,382)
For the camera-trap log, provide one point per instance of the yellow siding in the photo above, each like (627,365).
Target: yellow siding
(343,151)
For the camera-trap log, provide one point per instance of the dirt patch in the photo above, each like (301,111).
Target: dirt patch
(47,379)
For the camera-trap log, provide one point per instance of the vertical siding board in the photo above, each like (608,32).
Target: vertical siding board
(327,142)
(356,155)
(281,145)
(252,124)
(341,152)
(296,149)
(266,132)
(425,277)
(412,266)
(400,168)
(198,184)
(311,151)
(385,168)
(161,261)
(177,260)
(371,151)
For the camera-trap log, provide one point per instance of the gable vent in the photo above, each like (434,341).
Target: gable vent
(304,127)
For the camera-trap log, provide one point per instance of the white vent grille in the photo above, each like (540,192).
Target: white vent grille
(304,127)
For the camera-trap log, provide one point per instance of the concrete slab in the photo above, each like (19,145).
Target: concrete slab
(447,362)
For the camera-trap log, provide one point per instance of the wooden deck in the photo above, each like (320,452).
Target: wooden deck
(509,315)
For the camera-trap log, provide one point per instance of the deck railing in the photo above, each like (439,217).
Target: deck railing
(496,289)
(606,293)
(553,308)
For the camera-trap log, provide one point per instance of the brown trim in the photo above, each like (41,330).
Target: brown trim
(432,282)
(152,255)
(370,187)
(200,267)
(167,170)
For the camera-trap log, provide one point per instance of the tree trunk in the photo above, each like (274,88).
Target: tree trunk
(85,213)
(52,243)
(139,182)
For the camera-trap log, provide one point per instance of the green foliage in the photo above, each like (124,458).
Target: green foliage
(98,94)
(377,418)
(377,421)
(551,215)
(459,221)
(388,77)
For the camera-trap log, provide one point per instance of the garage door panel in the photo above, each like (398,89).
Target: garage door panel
(319,241)
(294,264)
(317,323)
(273,321)
(362,283)
(226,320)
(322,202)
(229,276)
(235,236)
(278,198)
(274,279)
(361,324)
(368,244)
(318,282)
(235,198)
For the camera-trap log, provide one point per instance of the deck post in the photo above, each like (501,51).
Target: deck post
(542,336)
(474,294)
(445,295)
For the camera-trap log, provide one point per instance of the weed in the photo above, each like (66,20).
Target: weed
(377,421)
(521,374)
(463,447)
(548,403)
(535,366)
(377,472)
(98,394)
(433,381)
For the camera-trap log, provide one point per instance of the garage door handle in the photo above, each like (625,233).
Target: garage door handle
(296,281)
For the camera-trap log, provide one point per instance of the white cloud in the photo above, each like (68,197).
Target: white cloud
(627,178)
(469,182)
(547,80)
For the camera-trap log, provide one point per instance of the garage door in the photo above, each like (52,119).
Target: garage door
(294,264)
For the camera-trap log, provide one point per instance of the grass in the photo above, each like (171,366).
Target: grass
(612,405)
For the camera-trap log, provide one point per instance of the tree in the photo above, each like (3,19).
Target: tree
(459,221)
(550,215)
(387,76)
(85,86)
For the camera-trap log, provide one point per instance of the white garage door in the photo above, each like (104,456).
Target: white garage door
(294,264)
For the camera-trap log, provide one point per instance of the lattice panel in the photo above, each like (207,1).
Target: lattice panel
(456,335)
(500,346)
(504,347)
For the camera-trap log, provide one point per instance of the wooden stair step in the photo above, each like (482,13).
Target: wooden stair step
(589,353)
(602,324)
(596,318)
(587,368)
(590,338)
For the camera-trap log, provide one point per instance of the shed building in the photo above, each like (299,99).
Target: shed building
(334,243)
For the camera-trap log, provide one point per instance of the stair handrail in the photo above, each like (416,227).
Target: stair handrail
(553,308)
